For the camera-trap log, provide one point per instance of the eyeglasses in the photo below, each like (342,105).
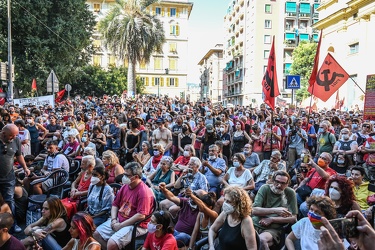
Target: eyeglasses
(128,175)
(280,182)
(5,149)
(366,126)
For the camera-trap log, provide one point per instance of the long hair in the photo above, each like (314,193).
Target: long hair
(164,218)
(243,204)
(346,186)
(56,209)
(85,225)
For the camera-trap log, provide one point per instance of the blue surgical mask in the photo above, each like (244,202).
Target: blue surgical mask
(236,164)
(156,152)
(354,126)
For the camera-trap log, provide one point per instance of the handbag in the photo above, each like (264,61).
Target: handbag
(304,191)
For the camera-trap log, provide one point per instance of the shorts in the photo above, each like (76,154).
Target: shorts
(276,233)
(122,237)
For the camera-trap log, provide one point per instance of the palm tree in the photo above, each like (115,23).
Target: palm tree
(133,34)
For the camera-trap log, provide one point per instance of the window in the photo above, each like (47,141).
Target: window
(304,8)
(97,60)
(97,7)
(172,82)
(142,65)
(172,12)
(145,81)
(112,60)
(97,44)
(267,8)
(158,63)
(266,54)
(173,63)
(268,24)
(155,81)
(175,30)
(291,7)
(173,47)
(304,37)
(267,39)
(353,48)
(158,11)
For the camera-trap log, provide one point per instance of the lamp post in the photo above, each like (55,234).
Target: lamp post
(10,63)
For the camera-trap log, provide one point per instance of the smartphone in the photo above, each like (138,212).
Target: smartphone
(345,227)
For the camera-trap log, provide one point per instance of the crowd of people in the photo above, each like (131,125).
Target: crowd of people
(242,177)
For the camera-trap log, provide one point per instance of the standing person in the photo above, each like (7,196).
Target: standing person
(297,138)
(99,139)
(176,130)
(270,131)
(200,131)
(113,135)
(132,139)
(35,137)
(162,136)
(240,138)
(24,136)
(257,143)
(326,140)
(81,229)
(186,137)
(10,147)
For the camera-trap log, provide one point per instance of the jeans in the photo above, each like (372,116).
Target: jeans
(7,185)
(182,239)
(49,243)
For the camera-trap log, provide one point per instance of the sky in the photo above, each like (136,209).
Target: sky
(206,29)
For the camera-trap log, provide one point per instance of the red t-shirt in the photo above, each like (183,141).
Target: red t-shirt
(133,201)
(317,181)
(167,242)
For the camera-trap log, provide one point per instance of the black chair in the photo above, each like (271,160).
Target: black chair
(115,187)
(200,243)
(58,180)
(74,169)
(137,242)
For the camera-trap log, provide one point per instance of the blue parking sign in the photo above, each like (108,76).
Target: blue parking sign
(293,82)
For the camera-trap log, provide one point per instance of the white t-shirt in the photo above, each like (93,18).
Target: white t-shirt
(239,181)
(308,235)
(25,135)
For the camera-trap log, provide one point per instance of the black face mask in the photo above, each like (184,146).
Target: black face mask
(79,118)
(184,130)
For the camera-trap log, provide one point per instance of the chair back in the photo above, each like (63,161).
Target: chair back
(115,187)
(58,178)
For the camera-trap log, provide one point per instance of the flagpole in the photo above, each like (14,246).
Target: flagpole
(357,85)
(271,128)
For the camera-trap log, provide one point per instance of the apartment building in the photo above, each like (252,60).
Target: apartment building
(211,79)
(166,73)
(251,26)
(348,35)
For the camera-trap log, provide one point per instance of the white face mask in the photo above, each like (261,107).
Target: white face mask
(212,157)
(227,208)
(222,130)
(29,121)
(54,138)
(151,228)
(345,137)
(125,180)
(334,194)
(108,121)
(84,139)
(186,153)
(94,180)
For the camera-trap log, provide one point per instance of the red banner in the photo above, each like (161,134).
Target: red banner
(60,95)
(331,76)
(316,63)
(269,82)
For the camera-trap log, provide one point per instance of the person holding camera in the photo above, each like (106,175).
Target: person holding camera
(297,137)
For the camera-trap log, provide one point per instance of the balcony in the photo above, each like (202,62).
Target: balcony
(304,15)
(290,15)
(233,93)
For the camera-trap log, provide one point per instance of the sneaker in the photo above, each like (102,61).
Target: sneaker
(17,229)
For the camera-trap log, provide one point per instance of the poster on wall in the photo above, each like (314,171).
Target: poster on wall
(369,109)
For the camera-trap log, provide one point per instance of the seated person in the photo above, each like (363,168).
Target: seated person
(85,143)
(252,158)
(133,203)
(52,229)
(181,163)
(91,151)
(81,229)
(238,176)
(237,230)
(274,206)
(144,156)
(266,168)
(8,241)
(153,164)
(70,149)
(54,161)
(112,165)
(163,174)
(100,196)
(70,130)
(307,230)
(360,189)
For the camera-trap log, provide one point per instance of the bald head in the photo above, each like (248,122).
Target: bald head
(9,132)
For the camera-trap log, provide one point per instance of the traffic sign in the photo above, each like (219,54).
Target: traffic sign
(293,82)
(52,81)
(68,87)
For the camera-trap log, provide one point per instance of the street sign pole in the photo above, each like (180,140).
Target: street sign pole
(10,63)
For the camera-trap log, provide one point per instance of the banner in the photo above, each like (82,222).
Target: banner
(331,76)
(280,102)
(269,82)
(369,110)
(38,101)
(316,63)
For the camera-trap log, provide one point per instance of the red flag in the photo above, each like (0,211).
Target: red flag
(337,101)
(342,102)
(334,76)
(316,63)
(60,95)
(269,82)
(33,85)
(2,99)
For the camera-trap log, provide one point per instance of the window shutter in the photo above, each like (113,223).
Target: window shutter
(162,12)
(168,83)
(161,81)
(171,29)
(146,81)
(176,82)
(153,81)
(177,30)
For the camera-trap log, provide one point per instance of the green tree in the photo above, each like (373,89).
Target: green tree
(132,34)
(303,61)
(47,34)
(94,80)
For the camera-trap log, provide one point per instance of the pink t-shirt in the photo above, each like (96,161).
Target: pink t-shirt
(132,201)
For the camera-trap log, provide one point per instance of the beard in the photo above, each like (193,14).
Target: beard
(276,190)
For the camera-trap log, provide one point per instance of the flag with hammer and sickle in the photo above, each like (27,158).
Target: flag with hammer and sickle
(330,77)
(269,82)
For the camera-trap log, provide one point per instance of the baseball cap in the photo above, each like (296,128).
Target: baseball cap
(210,128)
(160,120)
